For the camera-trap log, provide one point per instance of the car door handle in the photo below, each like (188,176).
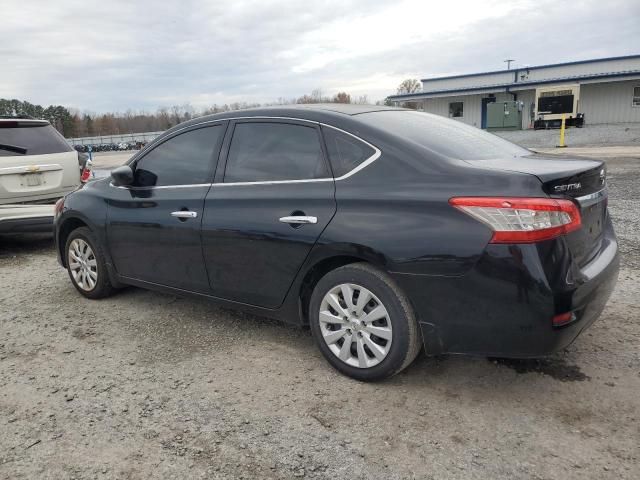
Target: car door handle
(299,219)
(184,214)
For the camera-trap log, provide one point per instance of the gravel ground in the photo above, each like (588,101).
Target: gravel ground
(146,385)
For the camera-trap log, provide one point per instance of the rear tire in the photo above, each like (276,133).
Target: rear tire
(363,323)
(86,264)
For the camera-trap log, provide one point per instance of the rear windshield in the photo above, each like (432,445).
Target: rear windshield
(19,139)
(450,138)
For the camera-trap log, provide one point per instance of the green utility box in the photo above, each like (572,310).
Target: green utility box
(504,115)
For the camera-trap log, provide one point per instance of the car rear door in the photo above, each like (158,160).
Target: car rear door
(153,226)
(274,195)
(36,163)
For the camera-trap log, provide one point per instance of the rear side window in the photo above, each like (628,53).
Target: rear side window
(18,138)
(345,152)
(185,159)
(263,151)
(445,136)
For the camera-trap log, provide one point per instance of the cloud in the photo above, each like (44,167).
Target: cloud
(107,56)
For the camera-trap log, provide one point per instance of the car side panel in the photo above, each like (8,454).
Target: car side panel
(395,214)
(88,205)
(504,305)
(398,205)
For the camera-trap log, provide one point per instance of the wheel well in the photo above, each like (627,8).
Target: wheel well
(316,272)
(65,230)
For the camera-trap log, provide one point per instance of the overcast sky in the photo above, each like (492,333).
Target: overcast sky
(113,55)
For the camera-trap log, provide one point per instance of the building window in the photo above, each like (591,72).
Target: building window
(456,109)
(636,96)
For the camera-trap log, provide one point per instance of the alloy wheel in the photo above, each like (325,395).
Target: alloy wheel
(83,264)
(355,325)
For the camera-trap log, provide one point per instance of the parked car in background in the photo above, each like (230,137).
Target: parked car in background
(37,167)
(383,229)
(110,147)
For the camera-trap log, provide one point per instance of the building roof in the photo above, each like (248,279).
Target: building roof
(528,77)
(535,67)
(518,85)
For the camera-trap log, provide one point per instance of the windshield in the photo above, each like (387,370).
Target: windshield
(447,137)
(16,139)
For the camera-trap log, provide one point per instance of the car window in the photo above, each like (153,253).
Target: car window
(445,136)
(345,152)
(185,159)
(263,151)
(17,139)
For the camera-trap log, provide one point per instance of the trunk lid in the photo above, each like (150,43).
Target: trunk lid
(582,180)
(38,178)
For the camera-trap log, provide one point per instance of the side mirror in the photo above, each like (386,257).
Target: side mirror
(122,176)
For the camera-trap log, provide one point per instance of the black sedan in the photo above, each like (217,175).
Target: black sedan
(385,230)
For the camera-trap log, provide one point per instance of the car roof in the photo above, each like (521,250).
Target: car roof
(317,112)
(345,108)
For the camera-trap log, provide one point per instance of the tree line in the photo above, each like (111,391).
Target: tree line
(73,123)
(59,116)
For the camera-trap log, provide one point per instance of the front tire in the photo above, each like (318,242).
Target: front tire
(362,323)
(86,264)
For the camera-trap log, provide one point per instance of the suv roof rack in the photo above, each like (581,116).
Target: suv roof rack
(19,116)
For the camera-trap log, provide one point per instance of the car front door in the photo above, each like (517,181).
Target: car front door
(153,226)
(274,195)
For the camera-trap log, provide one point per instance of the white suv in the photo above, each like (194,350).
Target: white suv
(37,167)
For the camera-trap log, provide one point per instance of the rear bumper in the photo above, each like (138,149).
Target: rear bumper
(504,306)
(26,218)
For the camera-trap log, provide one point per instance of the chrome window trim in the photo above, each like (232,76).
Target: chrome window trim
(271,182)
(160,187)
(377,153)
(592,198)
(30,167)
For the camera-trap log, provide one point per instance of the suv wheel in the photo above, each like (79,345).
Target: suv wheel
(362,323)
(86,266)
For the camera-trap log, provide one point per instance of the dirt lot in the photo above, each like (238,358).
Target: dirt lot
(145,385)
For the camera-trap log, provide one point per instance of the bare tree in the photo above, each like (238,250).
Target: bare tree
(316,94)
(410,85)
(176,111)
(342,97)
(164,120)
(188,111)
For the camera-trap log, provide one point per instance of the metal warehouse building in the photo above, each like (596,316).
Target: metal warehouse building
(605,90)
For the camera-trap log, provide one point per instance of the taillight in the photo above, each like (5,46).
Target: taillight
(522,220)
(85,175)
(85,167)
(563,318)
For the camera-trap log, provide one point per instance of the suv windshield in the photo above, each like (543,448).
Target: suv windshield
(450,138)
(21,138)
